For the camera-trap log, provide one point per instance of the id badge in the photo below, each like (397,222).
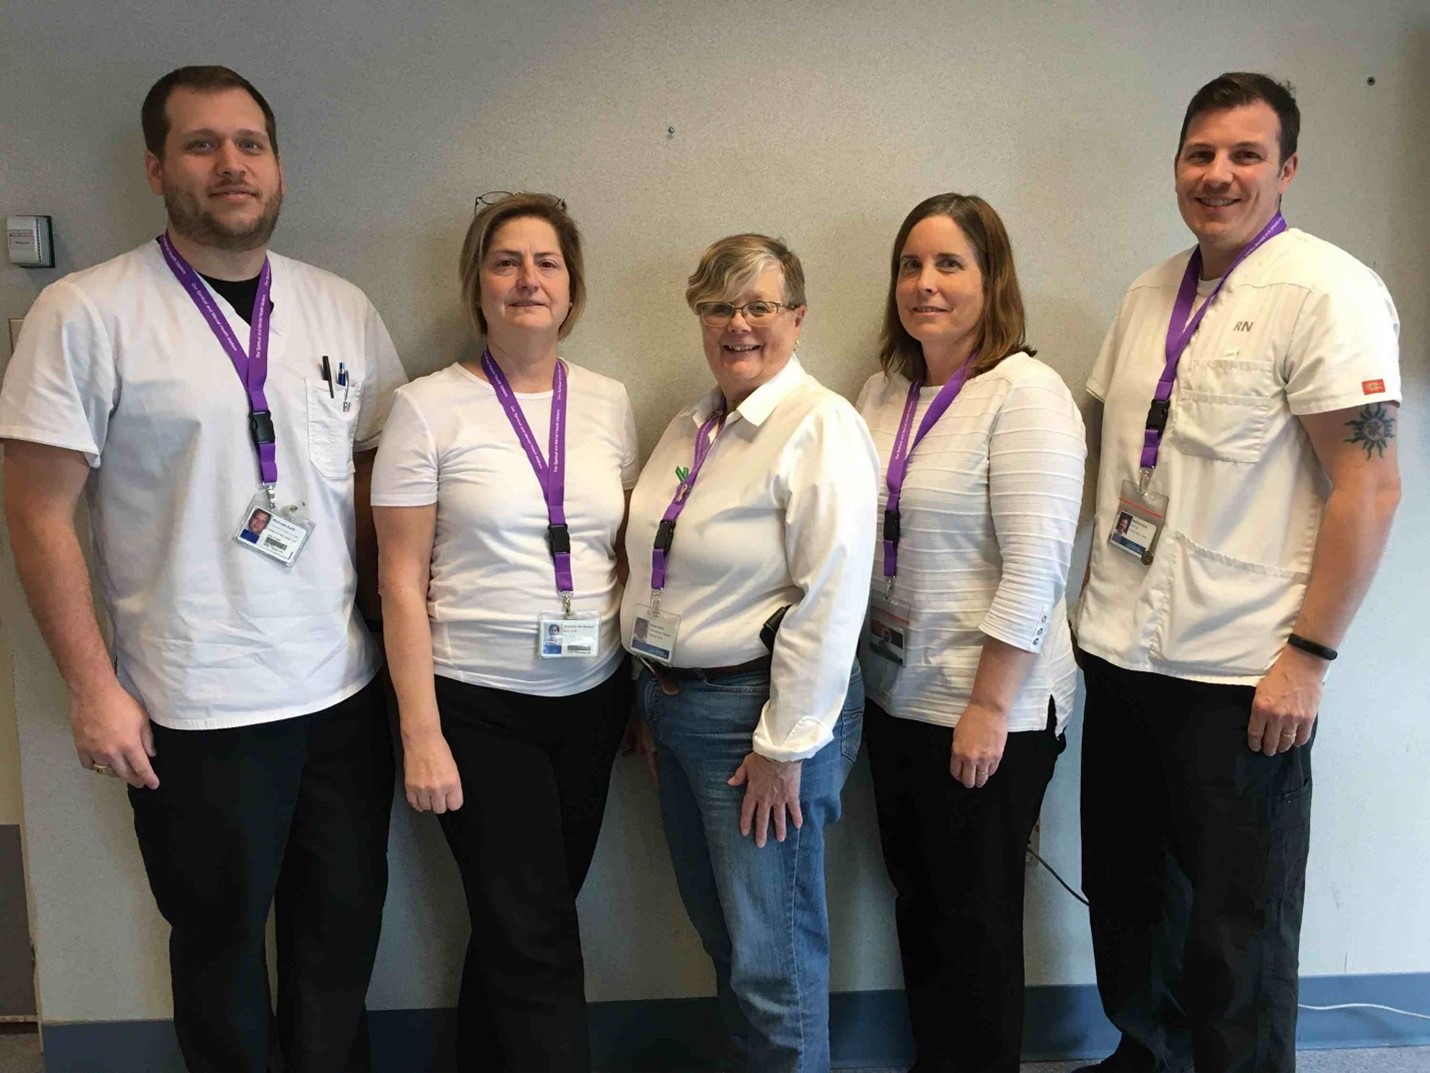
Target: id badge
(278,534)
(653,634)
(887,630)
(573,636)
(1137,525)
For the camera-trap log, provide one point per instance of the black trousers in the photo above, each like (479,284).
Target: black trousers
(1194,861)
(956,859)
(293,814)
(535,772)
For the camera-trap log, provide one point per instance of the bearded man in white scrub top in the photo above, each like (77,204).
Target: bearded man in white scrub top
(184,388)
(1250,389)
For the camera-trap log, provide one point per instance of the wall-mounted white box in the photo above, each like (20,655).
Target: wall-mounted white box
(29,242)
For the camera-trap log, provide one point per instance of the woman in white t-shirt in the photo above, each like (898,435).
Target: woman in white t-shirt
(967,658)
(500,491)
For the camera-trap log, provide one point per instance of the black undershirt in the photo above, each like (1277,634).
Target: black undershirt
(238,293)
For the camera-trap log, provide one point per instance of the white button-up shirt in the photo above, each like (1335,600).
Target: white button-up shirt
(782,514)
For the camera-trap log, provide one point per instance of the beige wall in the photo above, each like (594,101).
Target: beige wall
(822,122)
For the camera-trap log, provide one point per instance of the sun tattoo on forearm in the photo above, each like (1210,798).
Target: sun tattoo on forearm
(1373,428)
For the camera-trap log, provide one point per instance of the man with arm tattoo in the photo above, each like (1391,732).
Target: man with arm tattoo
(1250,390)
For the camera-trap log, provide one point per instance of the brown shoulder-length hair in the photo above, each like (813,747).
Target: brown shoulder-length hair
(488,220)
(1003,326)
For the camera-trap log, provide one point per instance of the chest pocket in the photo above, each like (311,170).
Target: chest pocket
(331,428)
(1222,407)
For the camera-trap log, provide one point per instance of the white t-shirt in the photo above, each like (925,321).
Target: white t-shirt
(118,363)
(988,513)
(449,442)
(1301,327)
(782,514)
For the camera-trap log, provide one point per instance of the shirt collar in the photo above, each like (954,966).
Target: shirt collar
(761,402)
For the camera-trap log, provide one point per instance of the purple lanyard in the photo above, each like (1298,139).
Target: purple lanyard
(551,477)
(1180,330)
(899,457)
(665,532)
(252,367)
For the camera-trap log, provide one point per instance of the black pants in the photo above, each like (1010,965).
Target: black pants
(956,859)
(1194,861)
(293,814)
(535,772)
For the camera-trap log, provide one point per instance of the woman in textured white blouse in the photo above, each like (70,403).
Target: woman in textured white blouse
(498,555)
(967,656)
(757,503)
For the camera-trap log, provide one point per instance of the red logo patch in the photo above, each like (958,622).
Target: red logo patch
(1372,387)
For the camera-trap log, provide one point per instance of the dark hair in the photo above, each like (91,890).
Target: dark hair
(489,219)
(1002,326)
(1237,88)
(154,115)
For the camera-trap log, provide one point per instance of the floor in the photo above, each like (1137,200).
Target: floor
(20,1053)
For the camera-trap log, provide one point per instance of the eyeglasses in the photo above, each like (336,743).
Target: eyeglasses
(719,314)
(496,197)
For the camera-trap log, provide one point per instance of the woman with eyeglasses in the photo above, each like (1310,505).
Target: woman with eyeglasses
(501,584)
(751,528)
(967,656)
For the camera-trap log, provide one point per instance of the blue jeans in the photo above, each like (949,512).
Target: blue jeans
(760,913)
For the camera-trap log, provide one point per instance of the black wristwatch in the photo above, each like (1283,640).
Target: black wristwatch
(1297,641)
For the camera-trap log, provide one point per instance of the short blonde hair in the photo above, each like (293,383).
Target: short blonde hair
(732,263)
(488,222)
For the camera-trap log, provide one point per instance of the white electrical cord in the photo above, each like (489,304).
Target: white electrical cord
(1339,1006)
(1366,1006)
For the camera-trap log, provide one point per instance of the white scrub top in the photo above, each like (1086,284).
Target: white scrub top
(117,362)
(1301,327)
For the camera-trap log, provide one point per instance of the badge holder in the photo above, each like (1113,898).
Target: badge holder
(568,634)
(654,632)
(278,535)
(1137,525)
(887,629)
